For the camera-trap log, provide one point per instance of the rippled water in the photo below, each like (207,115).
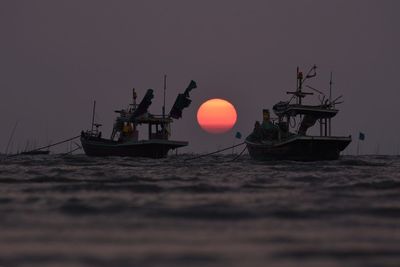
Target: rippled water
(80,211)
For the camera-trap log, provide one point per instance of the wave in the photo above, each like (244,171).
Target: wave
(340,254)
(372,185)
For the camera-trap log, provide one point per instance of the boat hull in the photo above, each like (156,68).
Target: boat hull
(155,148)
(300,148)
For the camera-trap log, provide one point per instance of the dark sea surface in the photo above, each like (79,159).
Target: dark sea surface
(80,211)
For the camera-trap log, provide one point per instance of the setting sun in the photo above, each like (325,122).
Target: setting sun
(216,116)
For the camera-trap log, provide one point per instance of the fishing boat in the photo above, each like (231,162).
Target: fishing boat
(124,139)
(282,138)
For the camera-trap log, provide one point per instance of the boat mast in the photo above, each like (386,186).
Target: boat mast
(165,89)
(330,99)
(163,126)
(330,89)
(94,110)
(299,78)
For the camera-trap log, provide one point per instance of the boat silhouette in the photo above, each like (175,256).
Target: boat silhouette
(278,139)
(124,140)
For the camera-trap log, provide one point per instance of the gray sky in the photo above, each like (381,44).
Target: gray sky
(56,57)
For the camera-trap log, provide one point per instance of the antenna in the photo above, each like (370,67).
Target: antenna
(165,89)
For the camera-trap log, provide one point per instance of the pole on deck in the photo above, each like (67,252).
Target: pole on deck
(165,89)
(94,111)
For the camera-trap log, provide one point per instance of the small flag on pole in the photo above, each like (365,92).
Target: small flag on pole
(361,136)
(238,135)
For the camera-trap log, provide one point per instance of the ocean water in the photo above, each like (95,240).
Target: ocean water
(80,211)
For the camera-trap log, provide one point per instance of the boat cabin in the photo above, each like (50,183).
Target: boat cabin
(309,114)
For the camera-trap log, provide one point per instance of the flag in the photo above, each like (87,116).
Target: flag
(361,136)
(238,135)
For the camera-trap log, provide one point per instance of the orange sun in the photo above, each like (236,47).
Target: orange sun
(216,116)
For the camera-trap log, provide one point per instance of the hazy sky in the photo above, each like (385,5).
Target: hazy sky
(56,57)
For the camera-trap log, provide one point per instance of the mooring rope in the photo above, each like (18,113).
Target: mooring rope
(40,148)
(208,154)
(58,143)
(72,151)
(240,154)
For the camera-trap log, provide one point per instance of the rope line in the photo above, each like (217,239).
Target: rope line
(40,148)
(70,152)
(208,154)
(58,143)
(240,154)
